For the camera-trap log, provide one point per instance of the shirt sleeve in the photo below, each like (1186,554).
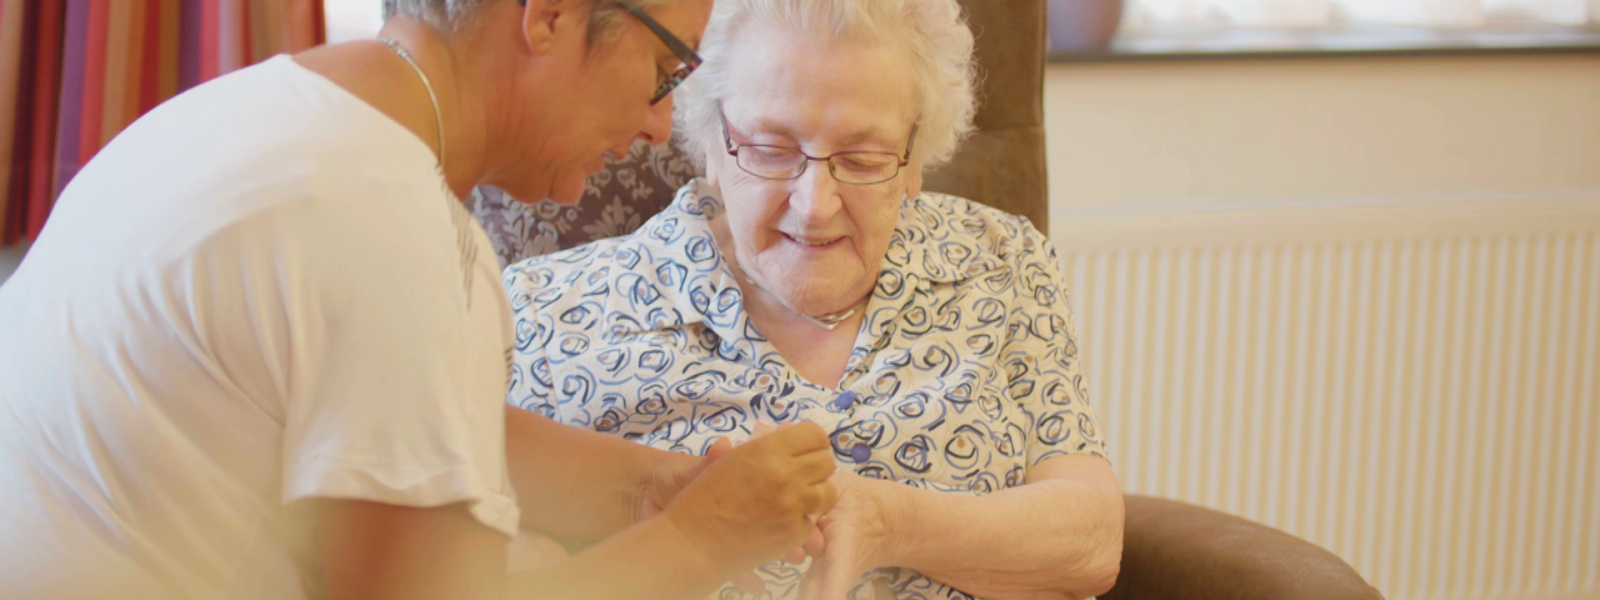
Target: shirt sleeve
(401,357)
(1041,362)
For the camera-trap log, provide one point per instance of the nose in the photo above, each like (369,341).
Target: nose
(658,123)
(656,131)
(815,194)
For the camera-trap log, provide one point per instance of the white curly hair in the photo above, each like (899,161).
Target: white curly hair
(940,44)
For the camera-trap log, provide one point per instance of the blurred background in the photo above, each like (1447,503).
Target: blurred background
(1335,263)
(1336,266)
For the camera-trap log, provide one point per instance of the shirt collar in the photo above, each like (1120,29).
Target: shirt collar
(674,255)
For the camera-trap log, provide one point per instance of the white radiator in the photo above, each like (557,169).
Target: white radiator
(1412,387)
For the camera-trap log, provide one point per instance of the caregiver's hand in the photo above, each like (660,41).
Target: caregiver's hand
(753,503)
(675,472)
(858,533)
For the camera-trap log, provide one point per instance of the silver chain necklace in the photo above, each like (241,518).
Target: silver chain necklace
(828,322)
(831,321)
(438,118)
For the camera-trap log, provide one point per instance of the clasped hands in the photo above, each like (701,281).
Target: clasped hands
(777,495)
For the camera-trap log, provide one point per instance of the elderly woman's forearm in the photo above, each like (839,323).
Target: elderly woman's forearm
(1056,538)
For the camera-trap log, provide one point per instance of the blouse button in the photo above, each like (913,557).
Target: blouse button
(861,453)
(845,400)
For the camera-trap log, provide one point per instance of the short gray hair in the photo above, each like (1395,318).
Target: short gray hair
(450,16)
(943,69)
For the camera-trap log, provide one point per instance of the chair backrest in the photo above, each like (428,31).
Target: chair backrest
(1002,165)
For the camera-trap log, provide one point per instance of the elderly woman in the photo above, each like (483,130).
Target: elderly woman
(808,278)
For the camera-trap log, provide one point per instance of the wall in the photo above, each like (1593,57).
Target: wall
(1355,299)
(9,259)
(1201,135)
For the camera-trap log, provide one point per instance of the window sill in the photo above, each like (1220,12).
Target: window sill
(1336,43)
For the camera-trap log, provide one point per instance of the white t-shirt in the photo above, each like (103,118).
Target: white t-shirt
(260,293)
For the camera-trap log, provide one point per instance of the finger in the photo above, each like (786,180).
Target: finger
(750,583)
(816,584)
(718,448)
(835,583)
(813,467)
(796,555)
(762,428)
(685,475)
(809,581)
(815,544)
(834,578)
(820,498)
(796,439)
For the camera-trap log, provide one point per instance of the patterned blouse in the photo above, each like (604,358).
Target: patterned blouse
(965,372)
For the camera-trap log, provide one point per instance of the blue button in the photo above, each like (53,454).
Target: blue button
(861,453)
(845,400)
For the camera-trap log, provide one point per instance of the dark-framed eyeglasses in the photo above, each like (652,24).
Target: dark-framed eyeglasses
(782,163)
(691,60)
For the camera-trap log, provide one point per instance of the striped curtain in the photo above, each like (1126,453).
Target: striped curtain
(74,73)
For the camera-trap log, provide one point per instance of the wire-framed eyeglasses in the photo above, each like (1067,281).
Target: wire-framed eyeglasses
(782,163)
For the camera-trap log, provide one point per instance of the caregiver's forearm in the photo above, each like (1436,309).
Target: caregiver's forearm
(651,560)
(1059,536)
(573,483)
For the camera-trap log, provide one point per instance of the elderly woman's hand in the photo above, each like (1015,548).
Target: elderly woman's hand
(858,535)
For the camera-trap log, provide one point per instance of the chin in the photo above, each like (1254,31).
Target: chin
(524,192)
(815,295)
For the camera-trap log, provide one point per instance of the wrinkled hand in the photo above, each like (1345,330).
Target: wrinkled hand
(673,473)
(669,477)
(676,471)
(748,505)
(858,535)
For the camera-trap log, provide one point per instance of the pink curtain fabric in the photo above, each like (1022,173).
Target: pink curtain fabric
(74,73)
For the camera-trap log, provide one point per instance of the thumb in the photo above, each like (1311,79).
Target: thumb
(682,477)
(762,428)
(717,449)
(815,544)
(829,578)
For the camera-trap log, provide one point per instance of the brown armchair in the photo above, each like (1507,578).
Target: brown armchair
(1171,551)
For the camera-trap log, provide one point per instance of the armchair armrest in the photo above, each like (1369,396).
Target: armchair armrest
(1177,551)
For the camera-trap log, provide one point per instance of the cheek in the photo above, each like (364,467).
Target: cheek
(753,211)
(876,226)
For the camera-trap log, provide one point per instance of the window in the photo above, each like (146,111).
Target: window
(1145,15)
(352,19)
(1082,30)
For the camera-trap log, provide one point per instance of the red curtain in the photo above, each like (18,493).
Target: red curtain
(73,73)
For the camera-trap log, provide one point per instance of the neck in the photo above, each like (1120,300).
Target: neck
(460,92)
(769,311)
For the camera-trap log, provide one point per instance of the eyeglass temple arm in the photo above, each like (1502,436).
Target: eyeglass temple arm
(905,160)
(684,52)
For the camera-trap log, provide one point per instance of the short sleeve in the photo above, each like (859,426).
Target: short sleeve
(402,360)
(1041,363)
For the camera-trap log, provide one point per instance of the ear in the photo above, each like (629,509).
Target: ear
(544,21)
(912,173)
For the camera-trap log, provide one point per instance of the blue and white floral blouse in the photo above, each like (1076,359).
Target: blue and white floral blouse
(965,372)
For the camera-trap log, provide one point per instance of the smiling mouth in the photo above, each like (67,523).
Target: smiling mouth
(813,242)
